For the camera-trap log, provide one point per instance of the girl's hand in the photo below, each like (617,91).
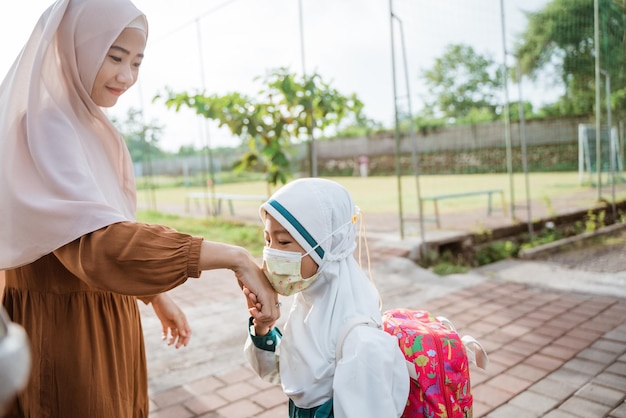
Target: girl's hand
(173,320)
(261,327)
(261,297)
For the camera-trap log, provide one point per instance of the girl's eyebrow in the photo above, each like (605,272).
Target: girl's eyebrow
(124,50)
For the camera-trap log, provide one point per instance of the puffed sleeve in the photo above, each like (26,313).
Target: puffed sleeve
(133,258)
(371,379)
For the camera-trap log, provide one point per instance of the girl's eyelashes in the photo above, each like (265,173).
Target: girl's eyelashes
(115,58)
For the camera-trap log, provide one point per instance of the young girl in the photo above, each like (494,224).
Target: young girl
(310,235)
(75,258)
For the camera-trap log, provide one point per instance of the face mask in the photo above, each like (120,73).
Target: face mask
(282,269)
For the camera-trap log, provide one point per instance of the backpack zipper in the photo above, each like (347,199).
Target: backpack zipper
(442,370)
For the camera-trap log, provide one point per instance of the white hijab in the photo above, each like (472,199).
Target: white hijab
(318,211)
(64,169)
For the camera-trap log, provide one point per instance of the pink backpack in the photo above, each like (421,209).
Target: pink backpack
(438,363)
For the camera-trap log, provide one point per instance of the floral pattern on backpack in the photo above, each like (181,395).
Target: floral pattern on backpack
(438,363)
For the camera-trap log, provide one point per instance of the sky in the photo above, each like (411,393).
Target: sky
(221,46)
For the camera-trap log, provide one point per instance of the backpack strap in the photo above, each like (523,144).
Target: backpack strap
(349,326)
(476,353)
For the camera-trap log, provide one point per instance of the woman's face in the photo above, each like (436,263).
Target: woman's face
(277,237)
(120,68)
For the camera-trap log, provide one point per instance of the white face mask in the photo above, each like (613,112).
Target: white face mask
(282,269)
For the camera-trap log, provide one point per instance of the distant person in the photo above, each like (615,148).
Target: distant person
(363,161)
(310,237)
(76,260)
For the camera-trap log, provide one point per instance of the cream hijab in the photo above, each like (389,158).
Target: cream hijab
(64,168)
(318,211)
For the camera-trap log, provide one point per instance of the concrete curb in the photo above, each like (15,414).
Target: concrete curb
(553,247)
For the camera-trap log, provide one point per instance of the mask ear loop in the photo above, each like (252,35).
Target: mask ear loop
(362,231)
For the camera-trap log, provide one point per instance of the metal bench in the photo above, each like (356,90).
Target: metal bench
(489,193)
(219,198)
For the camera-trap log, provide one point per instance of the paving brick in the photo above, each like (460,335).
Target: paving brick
(619,412)
(505,357)
(570,321)
(270,398)
(599,323)
(498,320)
(514,330)
(618,368)
(612,380)
(584,366)
(508,411)
(524,348)
(477,376)
(550,330)
(491,395)
(568,376)
(536,403)
(481,327)
(553,388)
(211,415)
(510,383)
(202,386)
(261,384)
(237,374)
(171,397)
(237,391)
(618,334)
(480,409)
(557,414)
(559,351)
(585,333)
(537,339)
(243,408)
(552,309)
(173,411)
(584,408)
(597,355)
(544,362)
(527,372)
(610,346)
(541,316)
(279,411)
(205,403)
(578,343)
(601,394)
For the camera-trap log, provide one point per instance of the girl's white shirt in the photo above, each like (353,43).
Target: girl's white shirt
(371,376)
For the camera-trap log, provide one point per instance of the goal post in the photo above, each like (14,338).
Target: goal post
(587,154)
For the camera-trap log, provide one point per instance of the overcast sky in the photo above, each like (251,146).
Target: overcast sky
(348,42)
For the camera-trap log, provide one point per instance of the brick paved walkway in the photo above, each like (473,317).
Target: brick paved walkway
(553,353)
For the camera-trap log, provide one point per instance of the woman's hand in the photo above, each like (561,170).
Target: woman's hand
(173,320)
(261,297)
(216,255)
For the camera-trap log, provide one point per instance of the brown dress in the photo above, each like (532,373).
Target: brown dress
(79,308)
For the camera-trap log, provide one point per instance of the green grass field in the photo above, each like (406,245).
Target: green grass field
(372,195)
(380,194)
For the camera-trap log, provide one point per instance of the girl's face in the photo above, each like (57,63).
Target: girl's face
(120,68)
(277,237)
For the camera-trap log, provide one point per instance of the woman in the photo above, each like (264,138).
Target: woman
(310,231)
(76,259)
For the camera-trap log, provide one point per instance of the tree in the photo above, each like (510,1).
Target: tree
(287,109)
(559,40)
(463,84)
(141,139)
